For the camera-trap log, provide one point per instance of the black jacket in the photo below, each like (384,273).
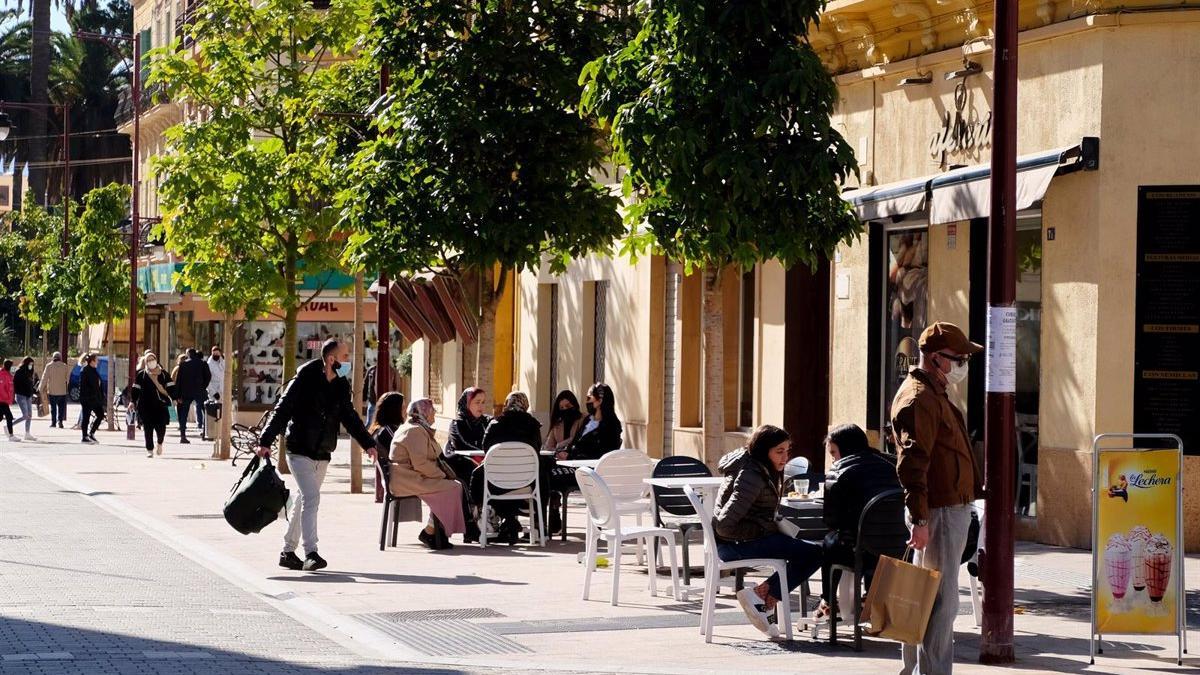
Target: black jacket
(311,408)
(151,405)
(91,389)
(605,439)
(24,382)
(466,432)
(747,501)
(192,381)
(513,426)
(853,481)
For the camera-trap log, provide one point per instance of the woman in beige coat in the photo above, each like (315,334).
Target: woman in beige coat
(417,471)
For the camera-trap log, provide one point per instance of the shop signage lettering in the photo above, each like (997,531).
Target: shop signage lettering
(319,306)
(1148,481)
(962,130)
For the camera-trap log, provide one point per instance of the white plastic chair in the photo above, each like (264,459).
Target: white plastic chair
(513,467)
(713,566)
(625,472)
(605,523)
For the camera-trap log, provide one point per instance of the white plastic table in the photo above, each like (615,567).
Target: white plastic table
(470,453)
(579,463)
(707,486)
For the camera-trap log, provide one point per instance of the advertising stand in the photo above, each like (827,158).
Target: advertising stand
(1137,538)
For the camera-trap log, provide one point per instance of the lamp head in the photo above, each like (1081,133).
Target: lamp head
(6,125)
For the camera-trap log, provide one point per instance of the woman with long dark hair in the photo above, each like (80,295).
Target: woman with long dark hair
(565,420)
(600,432)
(744,519)
(25,385)
(6,397)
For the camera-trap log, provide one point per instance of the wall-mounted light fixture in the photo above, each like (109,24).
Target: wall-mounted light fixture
(968,69)
(920,79)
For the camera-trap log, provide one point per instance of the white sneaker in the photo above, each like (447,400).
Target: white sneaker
(752,605)
(29,437)
(13,438)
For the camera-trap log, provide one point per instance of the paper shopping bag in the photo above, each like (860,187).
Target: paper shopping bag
(900,600)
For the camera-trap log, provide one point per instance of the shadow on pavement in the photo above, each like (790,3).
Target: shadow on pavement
(36,647)
(335,577)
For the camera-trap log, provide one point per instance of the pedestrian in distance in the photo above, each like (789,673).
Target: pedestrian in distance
(313,405)
(940,477)
(25,385)
(82,363)
(216,372)
(6,397)
(151,387)
(56,380)
(91,398)
(191,388)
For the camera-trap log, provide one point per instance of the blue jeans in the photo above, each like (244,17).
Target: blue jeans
(58,410)
(370,414)
(26,405)
(803,557)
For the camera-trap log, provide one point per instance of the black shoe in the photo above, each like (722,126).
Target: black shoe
(510,531)
(472,534)
(185,441)
(289,560)
(429,540)
(442,540)
(314,562)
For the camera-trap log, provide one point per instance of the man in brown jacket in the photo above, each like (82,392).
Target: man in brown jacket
(940,477)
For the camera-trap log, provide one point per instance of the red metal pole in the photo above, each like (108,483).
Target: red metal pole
(383,314)
(135,219)
(996,645)
(64,329)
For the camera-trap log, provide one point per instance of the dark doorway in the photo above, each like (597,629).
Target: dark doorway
(806,361)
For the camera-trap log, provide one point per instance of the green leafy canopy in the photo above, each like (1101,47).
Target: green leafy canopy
(482,157)
(720,111)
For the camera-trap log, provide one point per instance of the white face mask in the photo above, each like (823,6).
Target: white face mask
(958,373)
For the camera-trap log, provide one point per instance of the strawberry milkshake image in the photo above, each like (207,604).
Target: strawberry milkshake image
(1139,537)
(1158,567)
(1118,562)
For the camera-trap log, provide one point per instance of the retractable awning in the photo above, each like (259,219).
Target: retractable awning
(433,309)
(963,194)
(889,200)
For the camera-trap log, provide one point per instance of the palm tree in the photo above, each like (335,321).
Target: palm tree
(14,86)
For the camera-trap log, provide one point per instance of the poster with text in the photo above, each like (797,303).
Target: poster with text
(1138,524)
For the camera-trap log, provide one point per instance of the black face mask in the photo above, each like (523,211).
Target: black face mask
(591,408)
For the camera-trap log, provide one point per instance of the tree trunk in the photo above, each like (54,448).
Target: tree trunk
(485,351)
(39,88)
(359,373)
(110,334)
(227,327)
(714,367)
(290,335)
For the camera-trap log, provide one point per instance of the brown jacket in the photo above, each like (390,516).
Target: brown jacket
(415,469)
(936,466)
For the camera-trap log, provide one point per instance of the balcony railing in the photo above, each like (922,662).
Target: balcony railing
(151,96)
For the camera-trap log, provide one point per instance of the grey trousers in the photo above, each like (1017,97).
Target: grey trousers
(309,474)
(947,539)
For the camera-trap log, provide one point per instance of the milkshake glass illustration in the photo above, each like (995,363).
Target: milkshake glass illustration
(1118,562)
(1158,567)
(1139,537)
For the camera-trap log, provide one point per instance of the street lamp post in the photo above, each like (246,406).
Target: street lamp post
(6,127)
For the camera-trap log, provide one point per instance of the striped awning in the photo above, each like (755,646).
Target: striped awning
(431,307)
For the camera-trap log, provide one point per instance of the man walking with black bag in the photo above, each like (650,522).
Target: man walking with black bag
(313,405)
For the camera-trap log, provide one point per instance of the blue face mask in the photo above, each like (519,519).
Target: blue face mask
(342,369)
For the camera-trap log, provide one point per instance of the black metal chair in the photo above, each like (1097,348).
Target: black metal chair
(675,504)
(391,505)
(881,531)
(245,439)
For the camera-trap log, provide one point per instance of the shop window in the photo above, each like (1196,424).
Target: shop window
(746,350)
(1029,335)
(905,308)
(260,362)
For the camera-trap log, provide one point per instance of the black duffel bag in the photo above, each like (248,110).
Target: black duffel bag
(257,498)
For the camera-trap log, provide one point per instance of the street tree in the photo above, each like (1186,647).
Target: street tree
(482,163)
(49,281)
(246,183)
(720,114)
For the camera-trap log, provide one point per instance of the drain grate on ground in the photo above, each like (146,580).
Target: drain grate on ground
(445,638)
(457,614)
(199,516)
(14,536)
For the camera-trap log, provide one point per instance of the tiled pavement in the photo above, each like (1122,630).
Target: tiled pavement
(83,592)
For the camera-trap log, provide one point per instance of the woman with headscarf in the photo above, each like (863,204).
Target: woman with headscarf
(565,420)
(513,425)
(151,395)
(466,432)
(416,469)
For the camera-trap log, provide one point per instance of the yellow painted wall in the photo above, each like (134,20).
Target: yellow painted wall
(950,286)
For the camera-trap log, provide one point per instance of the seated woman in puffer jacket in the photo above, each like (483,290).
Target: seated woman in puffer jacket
(744,520)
